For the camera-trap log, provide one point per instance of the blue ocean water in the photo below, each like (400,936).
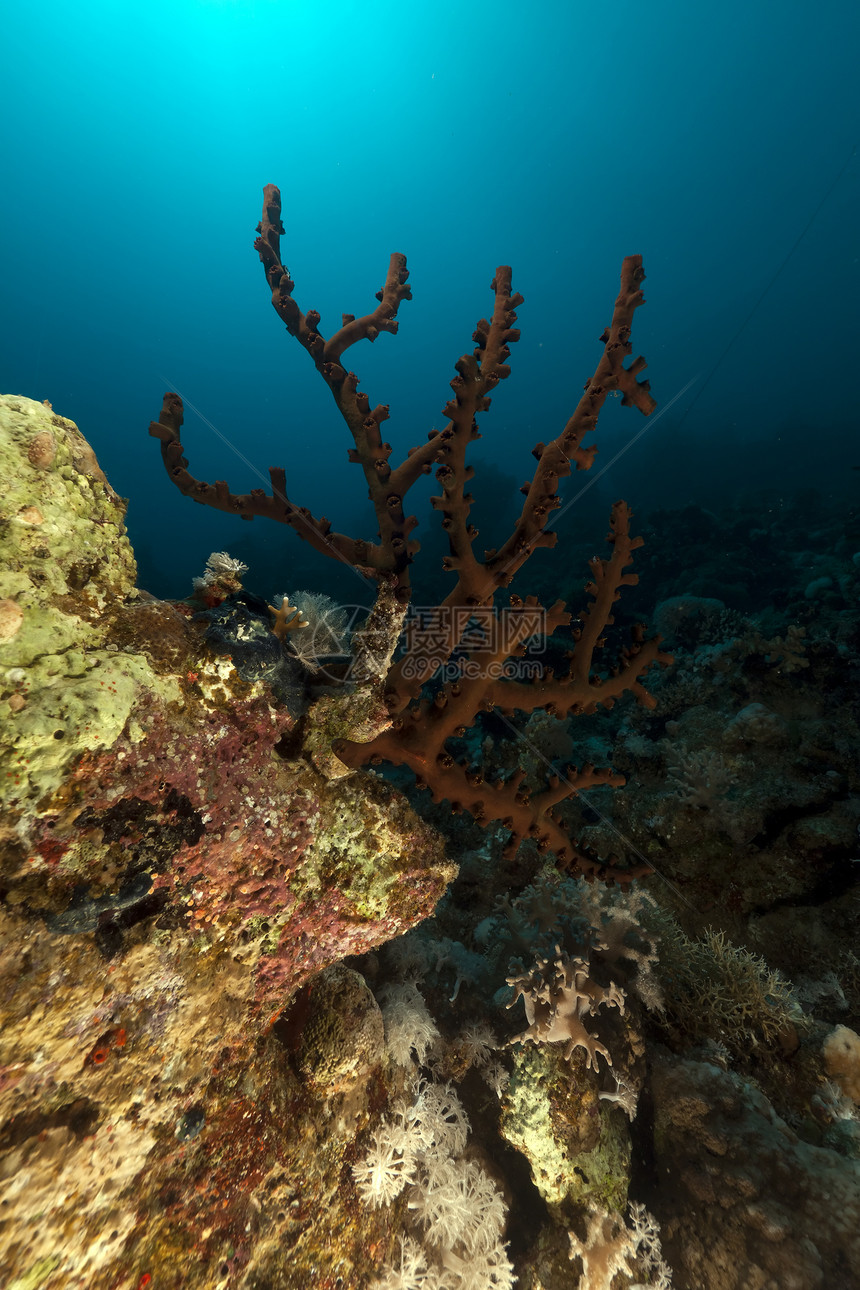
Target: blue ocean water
(718,142)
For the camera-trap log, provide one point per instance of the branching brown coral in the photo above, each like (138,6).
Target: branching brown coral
(418,735)
(421,727)
(288,618)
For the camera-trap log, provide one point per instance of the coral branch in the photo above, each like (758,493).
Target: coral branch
(394,551)
(477,582)
(247,505)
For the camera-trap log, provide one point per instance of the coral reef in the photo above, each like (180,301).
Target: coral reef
(260,1013)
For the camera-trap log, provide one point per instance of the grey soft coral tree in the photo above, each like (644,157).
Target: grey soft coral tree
(587,948)
(559,993)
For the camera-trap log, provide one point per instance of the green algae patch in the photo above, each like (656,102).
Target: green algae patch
(65,563)
(67,713)
(527,1123)
(266,930)
(64,553)
(603,1174)
(37,1275)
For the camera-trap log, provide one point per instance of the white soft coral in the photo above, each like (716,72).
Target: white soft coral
(454,1199)
(436,1122)
(432,1127)
(387,1167)
(459,1205)
(408,1025)
(488,1270)
(646,1234)
(414,1272)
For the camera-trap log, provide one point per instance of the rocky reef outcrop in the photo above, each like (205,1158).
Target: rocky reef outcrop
(174,869)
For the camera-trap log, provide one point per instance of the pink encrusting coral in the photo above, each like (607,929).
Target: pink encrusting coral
(243,841)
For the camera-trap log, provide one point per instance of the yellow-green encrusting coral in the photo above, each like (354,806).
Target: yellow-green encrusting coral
(577,1147)
(65,562)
